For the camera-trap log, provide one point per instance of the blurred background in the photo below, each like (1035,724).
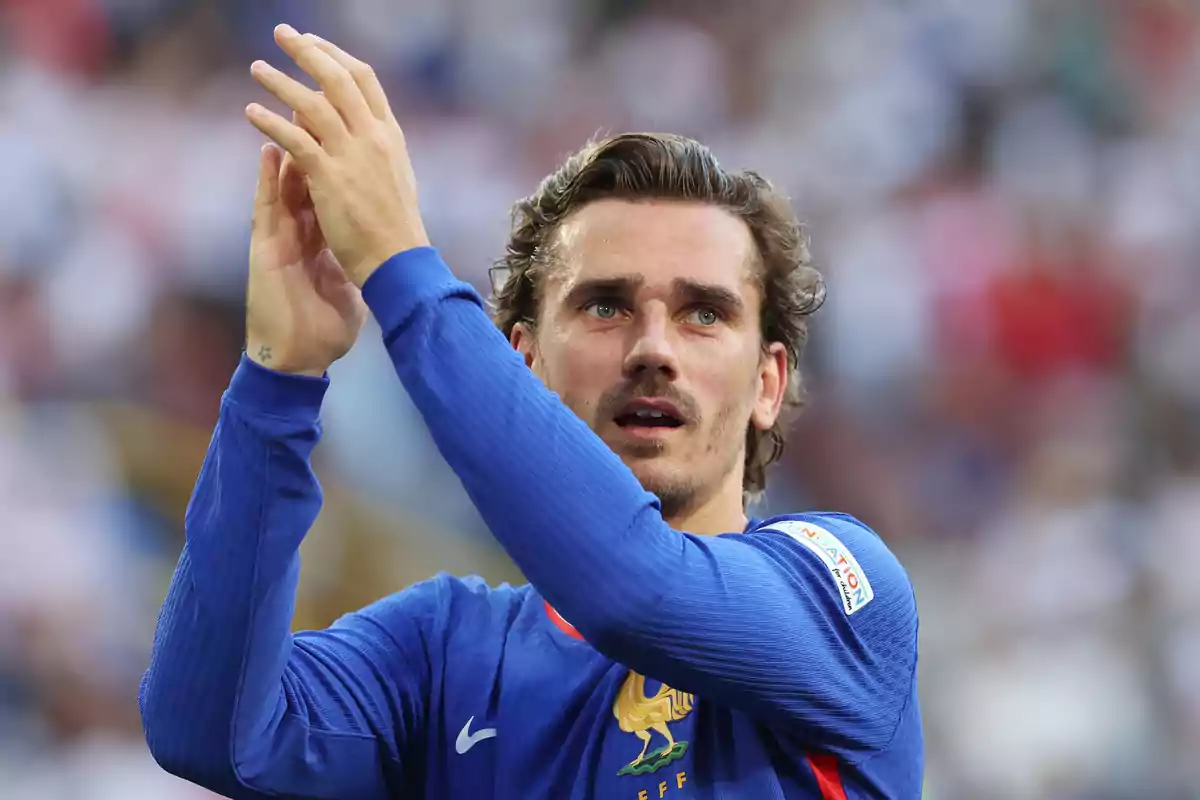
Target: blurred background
(1003,194)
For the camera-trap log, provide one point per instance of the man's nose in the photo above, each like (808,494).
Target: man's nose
(652,348)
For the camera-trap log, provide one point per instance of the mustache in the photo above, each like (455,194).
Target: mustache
(620,396)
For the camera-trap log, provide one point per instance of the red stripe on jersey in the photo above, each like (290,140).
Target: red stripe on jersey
(825,770)
(562,624)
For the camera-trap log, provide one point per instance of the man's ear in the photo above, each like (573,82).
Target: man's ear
(524,341)
(772,386)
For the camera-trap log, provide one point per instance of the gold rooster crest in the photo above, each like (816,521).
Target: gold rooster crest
(639,715)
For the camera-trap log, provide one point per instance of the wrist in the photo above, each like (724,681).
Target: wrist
(384,252)
(268,357)
(279,394)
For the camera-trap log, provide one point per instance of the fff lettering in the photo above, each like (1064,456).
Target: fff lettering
(663,787)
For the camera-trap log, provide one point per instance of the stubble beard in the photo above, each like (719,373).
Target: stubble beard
(681,490)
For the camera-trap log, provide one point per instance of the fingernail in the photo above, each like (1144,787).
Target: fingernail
(283,29)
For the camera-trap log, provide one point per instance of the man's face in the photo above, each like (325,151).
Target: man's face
(649,331)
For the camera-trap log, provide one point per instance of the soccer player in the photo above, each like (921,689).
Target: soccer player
(609,432)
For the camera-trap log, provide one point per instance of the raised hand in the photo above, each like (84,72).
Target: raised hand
(302,312)
(350,149)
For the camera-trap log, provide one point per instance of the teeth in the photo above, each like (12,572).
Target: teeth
(650,414)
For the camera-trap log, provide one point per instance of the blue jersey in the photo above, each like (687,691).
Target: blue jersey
(640,662)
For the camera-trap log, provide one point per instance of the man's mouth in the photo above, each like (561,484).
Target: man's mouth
(649,413)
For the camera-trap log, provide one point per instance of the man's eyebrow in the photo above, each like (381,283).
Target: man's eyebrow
(712,294)
(625,286)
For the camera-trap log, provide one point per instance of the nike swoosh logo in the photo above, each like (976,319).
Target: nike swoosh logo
(466,740)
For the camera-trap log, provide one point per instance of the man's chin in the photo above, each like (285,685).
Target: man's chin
(652,469)
(648,457)
(666,481)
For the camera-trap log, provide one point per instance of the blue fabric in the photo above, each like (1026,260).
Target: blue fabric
(794,638)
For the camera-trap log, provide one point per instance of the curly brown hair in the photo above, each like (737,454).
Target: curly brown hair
(652,166)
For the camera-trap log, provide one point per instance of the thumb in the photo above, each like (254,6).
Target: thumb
(266,196)
(293,186)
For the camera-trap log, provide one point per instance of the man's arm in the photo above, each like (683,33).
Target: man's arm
(754,621)
(232,700)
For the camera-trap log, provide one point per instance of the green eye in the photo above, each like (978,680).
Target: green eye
(603,310)
(705,317)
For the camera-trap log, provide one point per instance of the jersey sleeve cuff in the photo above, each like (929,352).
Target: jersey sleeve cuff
(279,394)
(408,280)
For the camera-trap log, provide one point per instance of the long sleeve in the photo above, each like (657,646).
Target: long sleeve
(758,621)
(232,700)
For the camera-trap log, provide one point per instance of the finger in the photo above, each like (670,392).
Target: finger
(316,108)
(295,140)
(363,74)
(300,120)
(335,81)
(293,187)
(267,193)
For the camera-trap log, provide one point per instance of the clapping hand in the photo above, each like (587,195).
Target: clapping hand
(350,149)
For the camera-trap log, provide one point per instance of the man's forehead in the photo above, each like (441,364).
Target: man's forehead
(658,242)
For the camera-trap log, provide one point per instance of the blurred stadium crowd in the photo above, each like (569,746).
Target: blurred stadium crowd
(1004,196)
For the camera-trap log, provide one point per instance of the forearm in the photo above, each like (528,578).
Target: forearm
(223,637)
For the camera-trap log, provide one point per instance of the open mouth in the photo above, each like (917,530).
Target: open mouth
(648,414)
